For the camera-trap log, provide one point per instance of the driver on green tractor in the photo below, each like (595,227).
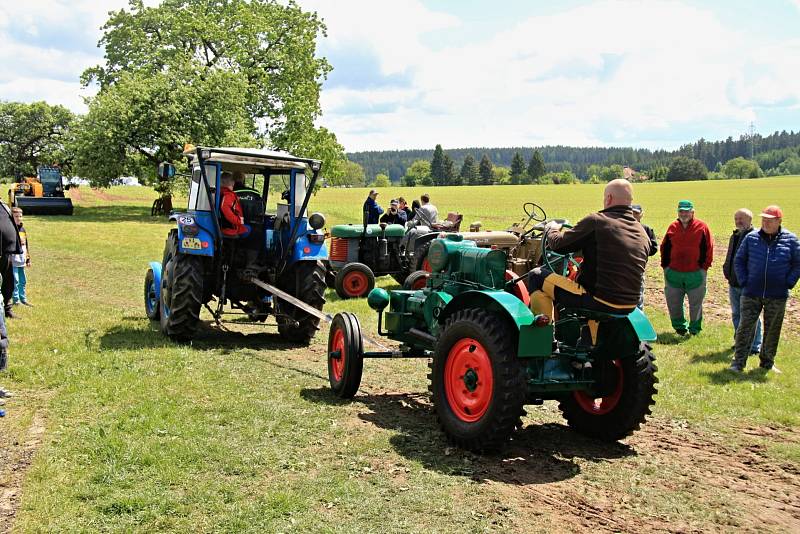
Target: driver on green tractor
(615,249)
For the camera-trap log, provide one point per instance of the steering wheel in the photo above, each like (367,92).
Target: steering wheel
(549,256)
(536,214)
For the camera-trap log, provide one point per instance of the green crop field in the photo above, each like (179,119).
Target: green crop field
(115,428)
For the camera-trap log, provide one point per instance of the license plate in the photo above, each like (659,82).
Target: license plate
(191,243)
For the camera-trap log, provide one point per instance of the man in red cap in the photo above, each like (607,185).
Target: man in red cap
(767,266)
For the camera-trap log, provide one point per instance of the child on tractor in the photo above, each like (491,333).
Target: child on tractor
(232,220)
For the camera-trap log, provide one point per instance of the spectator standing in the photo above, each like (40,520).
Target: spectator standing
(638,212)
(371,209)
(21,261)
(394,215)
(687,251)
(426,214)
(743,222)
(414,207)
(767,266)
(9,245)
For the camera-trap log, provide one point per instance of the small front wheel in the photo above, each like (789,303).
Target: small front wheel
(354,281)
(417,280)
(151,304)
(345,355)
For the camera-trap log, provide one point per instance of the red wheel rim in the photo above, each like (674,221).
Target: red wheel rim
(426,265)
(602,405)
(337,364)
(355,284)
(420,282)
(519,290)
(468,380)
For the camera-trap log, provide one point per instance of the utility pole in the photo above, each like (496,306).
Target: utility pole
(751,132)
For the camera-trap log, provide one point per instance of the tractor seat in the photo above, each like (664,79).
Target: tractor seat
(252,205)
(452,223)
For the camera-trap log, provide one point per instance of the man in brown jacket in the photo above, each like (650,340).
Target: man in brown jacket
(615,248)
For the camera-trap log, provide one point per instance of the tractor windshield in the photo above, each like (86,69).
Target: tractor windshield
(198,197)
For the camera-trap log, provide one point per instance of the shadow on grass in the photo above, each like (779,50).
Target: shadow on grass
(536,454)
(208,337)
(724,376)
(670,338)
(719,356)
(116,213)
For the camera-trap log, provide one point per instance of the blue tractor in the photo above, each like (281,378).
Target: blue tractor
(277,269)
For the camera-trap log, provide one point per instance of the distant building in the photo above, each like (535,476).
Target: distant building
(632,176)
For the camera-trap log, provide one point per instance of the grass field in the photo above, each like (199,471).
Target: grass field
(115,428)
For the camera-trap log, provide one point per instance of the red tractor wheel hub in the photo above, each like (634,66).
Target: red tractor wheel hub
(602,405)
(337,364)
(355,284)
(468,380)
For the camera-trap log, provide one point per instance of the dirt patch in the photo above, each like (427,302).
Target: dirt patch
(103,195)
(16,461)
(755,493)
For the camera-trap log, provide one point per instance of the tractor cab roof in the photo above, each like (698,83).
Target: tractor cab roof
(252,159)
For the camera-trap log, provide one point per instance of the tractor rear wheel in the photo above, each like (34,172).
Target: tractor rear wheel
(416,280)
(306,281)
(151,304)
(345,355)
(477,381)
(626,400)
(354,281)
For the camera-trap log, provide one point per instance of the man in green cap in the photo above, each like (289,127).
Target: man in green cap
(686,254)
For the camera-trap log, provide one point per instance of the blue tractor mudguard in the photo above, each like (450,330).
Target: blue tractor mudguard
(310,245)
(195,232)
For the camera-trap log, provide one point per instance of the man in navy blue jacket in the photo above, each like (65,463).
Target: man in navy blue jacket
(371,209)
(767,266)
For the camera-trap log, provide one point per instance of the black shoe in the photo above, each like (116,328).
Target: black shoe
(3,365)
(10,314)
(680,332)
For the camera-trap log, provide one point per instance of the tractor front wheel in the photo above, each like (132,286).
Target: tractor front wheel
(624,402)
(345,355)
(417,280)
(477,381)
(151,304)
(306,281)
(354,281)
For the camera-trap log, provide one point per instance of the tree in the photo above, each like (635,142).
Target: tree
(450,176)
(381,180)
(32,135)
(418,173)
(438,172)
(485,170)
(741,168)
(517,168)
(352,175)
(536,167)
(206,72)
(683,169)
(469,173)
(790,165)
(501,175)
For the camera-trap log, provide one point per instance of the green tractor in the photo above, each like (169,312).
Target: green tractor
(491,355)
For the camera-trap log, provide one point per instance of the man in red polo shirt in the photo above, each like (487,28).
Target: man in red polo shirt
(686,254)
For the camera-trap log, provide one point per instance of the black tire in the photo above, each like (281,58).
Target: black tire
(354,281)
(185,293)
(151,303)
(306,281)
(345,377)
(415,279)
(170,250)
(330,277)
(420,254)
(503,402)
(631,407)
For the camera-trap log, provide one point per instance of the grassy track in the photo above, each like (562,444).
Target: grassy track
(115,428)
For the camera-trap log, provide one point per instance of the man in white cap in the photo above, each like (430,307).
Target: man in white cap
(767,266)
(371,209)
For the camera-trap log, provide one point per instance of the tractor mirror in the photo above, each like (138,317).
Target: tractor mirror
(166,170)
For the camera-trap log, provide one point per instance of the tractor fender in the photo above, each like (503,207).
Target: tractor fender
(155,266)
(193,234)
(505,304)
(304,249)
(641,325)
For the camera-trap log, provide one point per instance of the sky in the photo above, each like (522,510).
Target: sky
(475,73)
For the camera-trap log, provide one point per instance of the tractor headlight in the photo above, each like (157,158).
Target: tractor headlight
(316,221)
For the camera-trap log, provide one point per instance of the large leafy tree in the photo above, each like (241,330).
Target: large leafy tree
(418,173)
(741,168)
(32,135)
(451,177)
(206,72)
(683,169)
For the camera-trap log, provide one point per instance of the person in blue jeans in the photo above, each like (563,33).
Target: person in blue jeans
(743,220)
(767,265)
(20,262)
